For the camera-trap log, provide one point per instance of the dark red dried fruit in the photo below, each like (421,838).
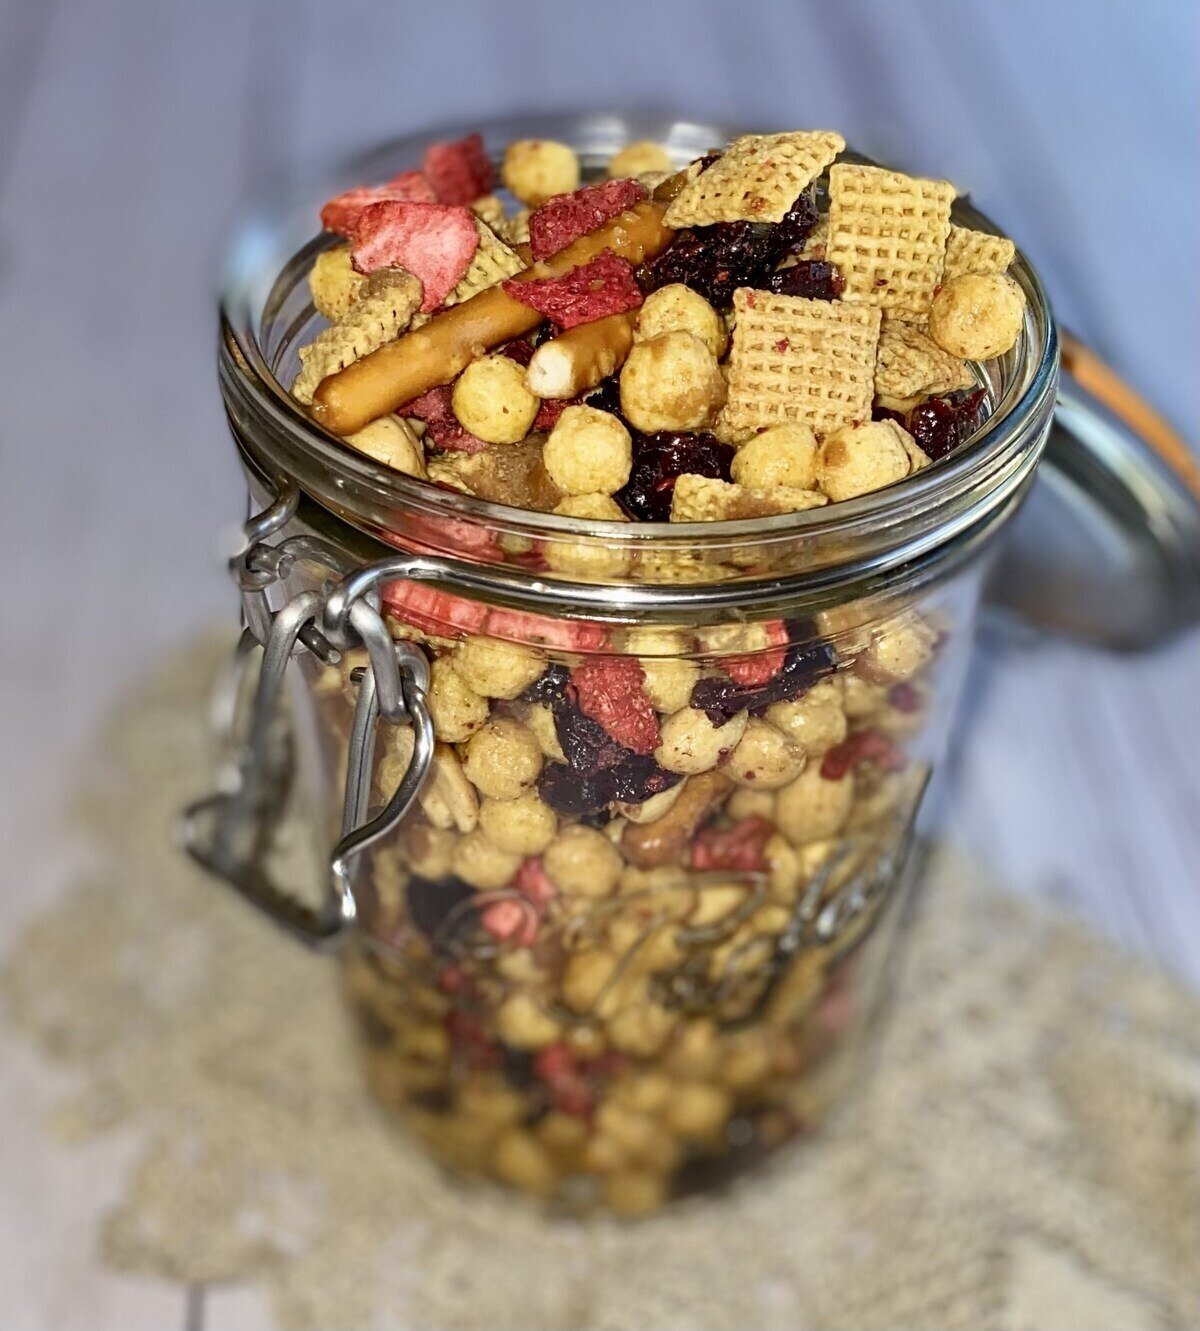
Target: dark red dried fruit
(441,424)
(550,684)
(658,462)
(470,1045)
(521,351)
(550,410)
(430,901)
(740,847)
(942,423)
(905,698)
(721,698)
(867,746)
(812,278)
(610,691)
(716,260)
(592,291)
(566,217)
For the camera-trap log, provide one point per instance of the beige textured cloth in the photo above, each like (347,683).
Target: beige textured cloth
(1024,1154)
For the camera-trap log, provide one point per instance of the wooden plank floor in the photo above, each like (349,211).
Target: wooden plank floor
(128,133)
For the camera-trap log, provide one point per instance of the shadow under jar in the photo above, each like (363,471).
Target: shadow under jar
(607,964)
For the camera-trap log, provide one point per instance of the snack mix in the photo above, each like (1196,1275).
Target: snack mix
(591,967)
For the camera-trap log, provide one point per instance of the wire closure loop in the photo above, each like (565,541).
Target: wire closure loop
(232,832)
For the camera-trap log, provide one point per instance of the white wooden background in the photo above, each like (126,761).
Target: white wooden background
(128,132)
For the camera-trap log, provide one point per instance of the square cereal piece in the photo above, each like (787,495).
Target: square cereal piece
(795,359)
(756,179)
(909,363)
(887,235)
(970,251)
(494,261)
(702,499)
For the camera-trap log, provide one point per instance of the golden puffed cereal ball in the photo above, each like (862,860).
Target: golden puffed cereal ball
(862,698)
(428,850)
(671,382)
(495,668)
(782,455)
(576,559)
(480,862)
(647,1092)
(696,1050)
(585,977)
(535,169)
(391,441)
(765,758)
(457,710)
(857,459)
(334,283)
(490,399)
(634,1193)
(539,717)
(815,721)
(581,861)
(678,309)
(522,1023)
(977,316)
(669,676)
(642,1029)
(525,825)
(520,1160)
(813,809)
(698,1111)
(503,759)
(690,743)
(751,804)
(588,452)
(639,159)
(784,869)
(899,650)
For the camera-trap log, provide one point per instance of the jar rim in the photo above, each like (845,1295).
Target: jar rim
(268,257)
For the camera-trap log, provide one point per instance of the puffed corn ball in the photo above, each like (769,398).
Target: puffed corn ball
(678,309)
(690,743)
(490,399)
(519,1159)
(495,668)
(744,803)
(521,1022)
(334,283)
(639,159)
(815,721)
(503,759)
(581,861)
(428,850)
(857,459)
(782,455)
(525,826)
(671,382)
(698,1111)
(977,316)
(535,169)
(479,861)
(899,650)
(457,710)
(812,808)
(764,758)
(669,676)
(588,452)
(862,698)
(580,559)
(391,441)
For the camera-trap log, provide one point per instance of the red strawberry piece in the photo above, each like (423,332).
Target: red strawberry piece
(341,214)
(511,921)
(433,611)
(540,630)
(443,430)
(459,171)
(758,668)
(610,692)
(533,880)
(566,217)
(740,847)
(867,746)
(593,291)
(431,240)
(550,410)
(469,1042)
(563,1075)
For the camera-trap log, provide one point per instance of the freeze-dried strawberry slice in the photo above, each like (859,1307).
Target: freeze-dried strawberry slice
(459,171)
(341,214)
(533,880)
(758,668)
(511,921)
(432,241)
(566,217)
(593,291)
(433,611)
(740,847)
(569,635)
(611,693)
(867,746)
(435,408)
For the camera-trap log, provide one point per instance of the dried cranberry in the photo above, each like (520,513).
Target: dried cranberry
(797,223)
(866,746)
(570,792)
(942,423)
(639,777)
(548,685)
(887,414)
(812,278)
(721,698)
(740,847)
(431,900)
(606,396)
(659,460)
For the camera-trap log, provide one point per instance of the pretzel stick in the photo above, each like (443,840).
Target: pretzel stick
(442,348)
(578,359)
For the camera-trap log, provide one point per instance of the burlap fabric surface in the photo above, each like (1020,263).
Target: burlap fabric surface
(1023,1156)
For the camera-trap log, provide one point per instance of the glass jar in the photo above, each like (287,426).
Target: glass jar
(622,813)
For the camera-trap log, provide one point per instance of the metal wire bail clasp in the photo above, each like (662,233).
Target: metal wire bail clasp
(232,832)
